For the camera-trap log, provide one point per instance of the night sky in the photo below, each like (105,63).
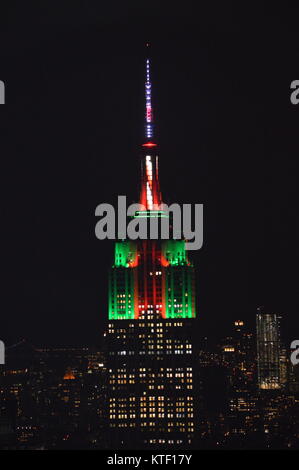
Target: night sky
(70,133)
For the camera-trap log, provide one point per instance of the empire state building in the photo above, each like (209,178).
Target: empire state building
(151,384)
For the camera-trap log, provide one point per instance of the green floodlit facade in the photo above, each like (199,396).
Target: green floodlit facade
(121,294)
(125,253)
(175,252)
(162,268)
(179,292)
(179,285)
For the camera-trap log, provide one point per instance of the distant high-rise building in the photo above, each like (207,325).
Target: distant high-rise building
(149,335)
(284,366)
(293,378)
(244,345)
(239,326)
(268,350)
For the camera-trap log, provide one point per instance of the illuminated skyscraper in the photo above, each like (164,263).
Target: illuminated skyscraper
(268,350)
(149,334)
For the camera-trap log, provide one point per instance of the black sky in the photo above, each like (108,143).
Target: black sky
(69,140)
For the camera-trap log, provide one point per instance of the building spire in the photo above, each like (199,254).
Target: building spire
(149,131)
(150,196)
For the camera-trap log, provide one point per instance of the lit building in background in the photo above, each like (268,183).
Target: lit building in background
(149,336)
(284,361)
(268,350)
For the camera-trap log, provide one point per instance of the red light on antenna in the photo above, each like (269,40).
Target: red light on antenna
(149,144)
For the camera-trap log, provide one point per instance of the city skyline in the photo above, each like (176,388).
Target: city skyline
(149,345)
(55,398)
